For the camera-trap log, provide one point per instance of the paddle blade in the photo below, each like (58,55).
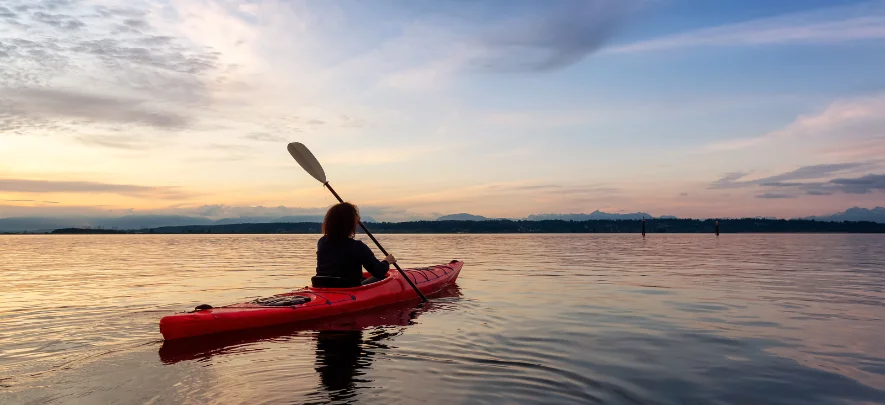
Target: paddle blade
(309,163)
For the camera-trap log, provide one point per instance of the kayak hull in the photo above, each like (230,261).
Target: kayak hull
(323,302)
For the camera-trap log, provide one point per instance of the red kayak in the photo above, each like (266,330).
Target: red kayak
(308,303)
(400,314)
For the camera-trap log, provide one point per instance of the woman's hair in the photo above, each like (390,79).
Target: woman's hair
(341,220)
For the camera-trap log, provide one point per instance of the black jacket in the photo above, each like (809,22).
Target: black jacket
(345,257)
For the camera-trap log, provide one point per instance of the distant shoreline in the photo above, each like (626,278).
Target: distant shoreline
(652,226)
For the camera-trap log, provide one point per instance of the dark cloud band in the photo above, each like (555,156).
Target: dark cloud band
(50,186)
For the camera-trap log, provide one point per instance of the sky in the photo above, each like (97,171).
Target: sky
(422,108)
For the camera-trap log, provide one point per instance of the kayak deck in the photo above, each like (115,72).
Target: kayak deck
(322,302)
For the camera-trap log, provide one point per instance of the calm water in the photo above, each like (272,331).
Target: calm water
(610,319)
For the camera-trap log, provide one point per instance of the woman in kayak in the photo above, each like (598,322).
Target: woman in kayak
(340,257)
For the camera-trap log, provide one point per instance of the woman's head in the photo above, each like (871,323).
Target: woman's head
(341,220)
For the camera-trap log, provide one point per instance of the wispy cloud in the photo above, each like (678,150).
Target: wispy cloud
(730,180)
(217,211)
(54,104)
(53,186)
(127,142)
(775,195)
(818,192)
(264,137)
(838,24)
(854,149)
(788,179)
(861,185)
(815,172)
(537,118)
(33,201)
(856,185)
(377,156)
(790,184)
(859,118)
(498,193)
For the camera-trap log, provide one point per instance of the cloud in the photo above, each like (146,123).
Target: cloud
(861,185)
(58,21)
(380,156)
(683,194)
(53,104)
(264,137)
(350,122)
(128,142)
(857,185)
(782,184)
(538,187)
(526,37)
(859,119)
(823,26)
(503,194)
(731,180)
(35,201)
(848,148)
(67,64)
(217,211)
(814,172)
(544,190)
(218,152)
(227,147)
(775,195)
(558,35)
(51,186)
(115,53)
(7,13)
(58,210)
(142,52)
(819,181)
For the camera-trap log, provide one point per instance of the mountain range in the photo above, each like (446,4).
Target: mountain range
(876,214)
(134,222)
(587,217)
(595,215)
(855,214)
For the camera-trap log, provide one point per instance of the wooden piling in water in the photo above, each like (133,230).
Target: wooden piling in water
(717,227)
(643,227)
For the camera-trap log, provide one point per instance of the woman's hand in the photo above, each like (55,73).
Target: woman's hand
(390,259)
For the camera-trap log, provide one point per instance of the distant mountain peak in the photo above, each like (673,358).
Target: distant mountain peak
(596,214)
(876,214)
(462,217)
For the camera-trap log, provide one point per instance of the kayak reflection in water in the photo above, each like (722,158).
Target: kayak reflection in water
(340,257)
(340,358)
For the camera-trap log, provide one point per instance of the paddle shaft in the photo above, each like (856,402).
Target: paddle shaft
(423,298)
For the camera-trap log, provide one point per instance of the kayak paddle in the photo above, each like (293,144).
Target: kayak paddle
(310,164)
